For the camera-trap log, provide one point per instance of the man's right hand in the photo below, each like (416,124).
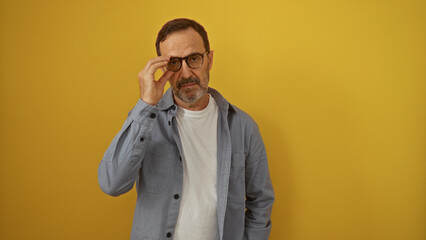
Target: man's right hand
(152,90)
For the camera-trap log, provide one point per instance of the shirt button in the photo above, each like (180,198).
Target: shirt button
(141,139)
(152,115)
(176,196)
(170,123)
(174,107)
(169,234)
(180,158)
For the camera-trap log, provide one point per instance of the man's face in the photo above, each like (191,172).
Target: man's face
(188,84)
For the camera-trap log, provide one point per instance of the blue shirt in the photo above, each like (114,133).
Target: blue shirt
(147,151)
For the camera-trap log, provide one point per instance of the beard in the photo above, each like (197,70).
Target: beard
(189,95)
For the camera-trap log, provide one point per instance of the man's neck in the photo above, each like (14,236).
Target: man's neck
(199,105)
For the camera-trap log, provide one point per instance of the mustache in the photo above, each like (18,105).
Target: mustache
(187,81)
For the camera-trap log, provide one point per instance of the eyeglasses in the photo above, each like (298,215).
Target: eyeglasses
(194,60)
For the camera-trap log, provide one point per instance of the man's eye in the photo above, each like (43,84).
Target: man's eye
(194,59)
(174,62)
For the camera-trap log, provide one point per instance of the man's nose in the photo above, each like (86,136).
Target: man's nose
(185,70)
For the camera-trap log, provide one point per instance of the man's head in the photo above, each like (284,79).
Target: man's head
(180,38)
(179,24)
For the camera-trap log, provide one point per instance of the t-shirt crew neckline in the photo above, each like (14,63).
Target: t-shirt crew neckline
(196,114)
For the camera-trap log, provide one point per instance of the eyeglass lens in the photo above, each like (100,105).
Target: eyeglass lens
(194,61)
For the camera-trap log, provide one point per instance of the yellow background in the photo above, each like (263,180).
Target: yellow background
(337,88)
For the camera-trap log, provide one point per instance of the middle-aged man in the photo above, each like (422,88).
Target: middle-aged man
(199,163)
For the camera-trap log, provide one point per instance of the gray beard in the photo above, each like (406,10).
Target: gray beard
(183,94)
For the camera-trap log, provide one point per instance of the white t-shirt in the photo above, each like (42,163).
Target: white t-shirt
(197,212)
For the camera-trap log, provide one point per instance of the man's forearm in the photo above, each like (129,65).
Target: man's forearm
(122,160)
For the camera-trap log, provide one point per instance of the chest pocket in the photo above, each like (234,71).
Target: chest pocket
(236,191)
(156,167)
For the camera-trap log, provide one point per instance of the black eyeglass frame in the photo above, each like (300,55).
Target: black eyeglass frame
(186,60)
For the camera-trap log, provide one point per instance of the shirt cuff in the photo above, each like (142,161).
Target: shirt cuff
(142,111)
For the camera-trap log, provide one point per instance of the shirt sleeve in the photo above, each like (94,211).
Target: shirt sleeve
(122,160)
(259,191)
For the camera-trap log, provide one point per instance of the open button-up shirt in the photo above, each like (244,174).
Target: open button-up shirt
(147,151)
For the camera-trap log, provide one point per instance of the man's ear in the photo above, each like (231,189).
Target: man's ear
(210,55)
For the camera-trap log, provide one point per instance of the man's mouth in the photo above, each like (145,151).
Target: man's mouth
(187,83)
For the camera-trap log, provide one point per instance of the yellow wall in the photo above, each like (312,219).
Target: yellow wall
(337,88)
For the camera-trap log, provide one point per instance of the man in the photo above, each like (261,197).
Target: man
(199,163)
